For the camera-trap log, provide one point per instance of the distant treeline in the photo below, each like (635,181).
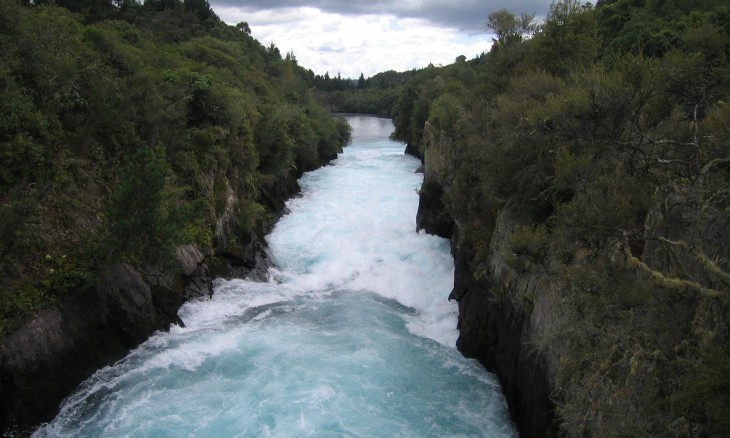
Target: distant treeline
(375,95)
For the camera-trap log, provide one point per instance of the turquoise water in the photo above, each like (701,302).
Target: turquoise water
(353,335)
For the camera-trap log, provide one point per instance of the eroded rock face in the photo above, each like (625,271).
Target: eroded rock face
(124,302)
(495,328)
(431,215)
(46,358)
(239,253)
(196,276)
(412,150)
(189,258)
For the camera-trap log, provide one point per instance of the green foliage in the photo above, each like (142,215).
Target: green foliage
(568,38)
(344,131)
(654,28)
(594,155)
(417,97)
(198,227)
(250,214)
(376,95)
(528,247)
(118,129)
(606,211)
(274,140)
(445,113)
(509,28)
(23,302)
(200,8)
(367,100)
(68,274)
(709,390)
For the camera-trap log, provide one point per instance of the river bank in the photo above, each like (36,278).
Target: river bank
(44,359)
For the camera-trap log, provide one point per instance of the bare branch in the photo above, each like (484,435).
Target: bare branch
(670,282)
(710,268)
(716,162)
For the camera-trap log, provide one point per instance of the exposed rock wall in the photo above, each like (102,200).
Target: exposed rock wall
(431,215)
(498,317)
(438,162)
(46,358)
(616,343)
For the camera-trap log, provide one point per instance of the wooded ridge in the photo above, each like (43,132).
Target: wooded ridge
(582,170)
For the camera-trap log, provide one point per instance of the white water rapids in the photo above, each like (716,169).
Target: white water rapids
(353,336)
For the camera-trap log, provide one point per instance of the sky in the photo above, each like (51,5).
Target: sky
(353,37)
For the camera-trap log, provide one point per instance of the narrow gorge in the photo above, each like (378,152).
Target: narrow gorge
(352,333)
(200,236)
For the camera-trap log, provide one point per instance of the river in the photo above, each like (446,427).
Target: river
(352,336)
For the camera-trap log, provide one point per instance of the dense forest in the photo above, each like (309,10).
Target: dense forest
(583,164)
(127,129)
(375,95)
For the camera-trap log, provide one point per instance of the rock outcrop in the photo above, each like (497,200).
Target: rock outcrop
(606,340)
(42,361)
(498,317)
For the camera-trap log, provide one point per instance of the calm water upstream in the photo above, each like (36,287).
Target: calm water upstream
(353,336)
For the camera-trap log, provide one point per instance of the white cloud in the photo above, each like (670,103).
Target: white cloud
(350,45)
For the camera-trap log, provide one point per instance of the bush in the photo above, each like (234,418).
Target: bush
(528,247)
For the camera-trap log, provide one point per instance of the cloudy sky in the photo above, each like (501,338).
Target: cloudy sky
(354,36)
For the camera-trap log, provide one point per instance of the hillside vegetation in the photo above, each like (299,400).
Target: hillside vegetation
(127,129)
(591,155)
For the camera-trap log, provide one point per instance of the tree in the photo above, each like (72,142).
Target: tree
(361,81)
(201,8)
(509,28)
(244,27)
(568,39)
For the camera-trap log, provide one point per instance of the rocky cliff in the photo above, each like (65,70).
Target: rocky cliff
(51,353)
(626,341)
(500,314)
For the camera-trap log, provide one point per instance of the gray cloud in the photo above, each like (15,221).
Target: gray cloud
(327,49)
(465,15)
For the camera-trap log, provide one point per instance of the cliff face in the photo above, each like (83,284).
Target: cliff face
(629,341)
(42,361)
(50,354)
(500,313)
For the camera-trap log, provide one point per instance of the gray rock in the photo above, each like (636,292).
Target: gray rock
(189,258)
(42,361)
(125,299)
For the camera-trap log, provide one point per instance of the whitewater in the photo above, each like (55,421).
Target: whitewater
(352,336)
